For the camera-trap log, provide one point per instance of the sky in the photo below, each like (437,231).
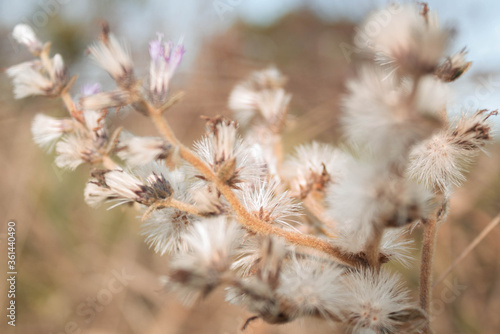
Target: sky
(476,23)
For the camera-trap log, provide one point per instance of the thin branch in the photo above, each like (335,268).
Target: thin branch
(172,203)
(428,248)
(430,232)
(469,248)
(244,217)
(372,248)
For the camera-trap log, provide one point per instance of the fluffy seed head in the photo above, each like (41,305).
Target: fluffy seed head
(24,34)
(378,302)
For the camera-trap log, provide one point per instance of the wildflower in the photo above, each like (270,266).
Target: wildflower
(142,150)
(441,161)
(47,130)
(114,58)
(165,59)
(378,302)
(24,34)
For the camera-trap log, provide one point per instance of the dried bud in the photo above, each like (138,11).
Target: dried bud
(453,67)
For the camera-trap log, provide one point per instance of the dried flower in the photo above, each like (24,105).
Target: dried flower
(165,58)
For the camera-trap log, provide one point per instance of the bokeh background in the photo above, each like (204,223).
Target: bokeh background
(84,270)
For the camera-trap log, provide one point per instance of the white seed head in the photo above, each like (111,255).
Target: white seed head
(405,38)
(211,245)
(370,197)
(138,151)
(47,130)
(316,163)
(378,302)
(111,99)
(378,115)
(24,34)
(265,201)
(28,80)
(115,59)
(262,94)
(441,161)
(74,150)
(124,185)
(313,287)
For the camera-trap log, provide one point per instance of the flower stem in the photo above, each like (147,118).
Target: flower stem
(244,217)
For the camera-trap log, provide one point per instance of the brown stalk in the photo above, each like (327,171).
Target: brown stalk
(428,248)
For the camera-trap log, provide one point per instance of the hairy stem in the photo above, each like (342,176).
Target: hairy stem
(429,242)
(372,248)
(428,247)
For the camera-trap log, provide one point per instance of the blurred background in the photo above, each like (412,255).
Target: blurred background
(84,270)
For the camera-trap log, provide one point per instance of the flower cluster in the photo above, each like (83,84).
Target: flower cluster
(288,236)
